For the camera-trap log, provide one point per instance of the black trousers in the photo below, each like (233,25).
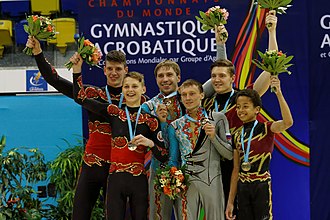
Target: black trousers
(122,186)
(90,182)
(254,201)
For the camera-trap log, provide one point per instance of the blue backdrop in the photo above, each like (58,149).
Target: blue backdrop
(319,78)
(151,30)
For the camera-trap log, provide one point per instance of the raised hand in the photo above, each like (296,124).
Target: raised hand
(77,62)
(276,84)
(271,20)
(33,43)
(221,34)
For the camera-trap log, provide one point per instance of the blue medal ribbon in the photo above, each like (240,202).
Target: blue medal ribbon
(131,132)
(247,151)
(109,97)
(171,95)
(224,110)
(194,120)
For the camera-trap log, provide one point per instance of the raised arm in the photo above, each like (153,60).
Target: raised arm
(287,121)
(220,31)
(81,98)
(221,36)
(262,82)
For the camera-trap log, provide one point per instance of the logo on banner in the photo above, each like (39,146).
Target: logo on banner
(35,82)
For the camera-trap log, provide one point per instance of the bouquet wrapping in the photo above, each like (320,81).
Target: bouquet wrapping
(39,27)
(274,62)
(88,52)
(213,17)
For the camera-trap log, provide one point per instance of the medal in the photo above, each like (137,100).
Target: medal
(167,102)
(131,146)
(204,121)
(246,166)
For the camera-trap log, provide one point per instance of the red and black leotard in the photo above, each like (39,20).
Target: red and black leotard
(95,169)
(127,173)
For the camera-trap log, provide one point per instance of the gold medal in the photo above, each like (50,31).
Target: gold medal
(246,166)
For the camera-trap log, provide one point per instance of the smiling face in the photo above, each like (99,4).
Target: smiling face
(133,89)
(167,80)
(246,110)
(221,79)
(115,72)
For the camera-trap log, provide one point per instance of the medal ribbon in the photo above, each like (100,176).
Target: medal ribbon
(171,95)
(246,153)
(194,120)
(109,97)
(225,107)
(131,132)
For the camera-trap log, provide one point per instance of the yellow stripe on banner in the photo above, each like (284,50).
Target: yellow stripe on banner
(287,135)
(248,57)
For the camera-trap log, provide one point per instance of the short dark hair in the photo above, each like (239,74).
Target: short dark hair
(168,64)
(135,75)
(252,94)
(116,56)
(224,63)
(192,82)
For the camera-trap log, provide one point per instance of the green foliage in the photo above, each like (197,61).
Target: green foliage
(280,6)
(171,181)
(65,170)
(274,62)
(19,171)
(213,17)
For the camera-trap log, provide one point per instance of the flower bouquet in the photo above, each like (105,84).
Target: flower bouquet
(171,181)
(88,52)
(39,27)
(274,62)
(213,17)
(280,6)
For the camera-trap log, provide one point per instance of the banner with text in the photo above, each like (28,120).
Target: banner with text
(149,31)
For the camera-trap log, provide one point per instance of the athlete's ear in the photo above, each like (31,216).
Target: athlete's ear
(202,95)
(258,110)
(233,77)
